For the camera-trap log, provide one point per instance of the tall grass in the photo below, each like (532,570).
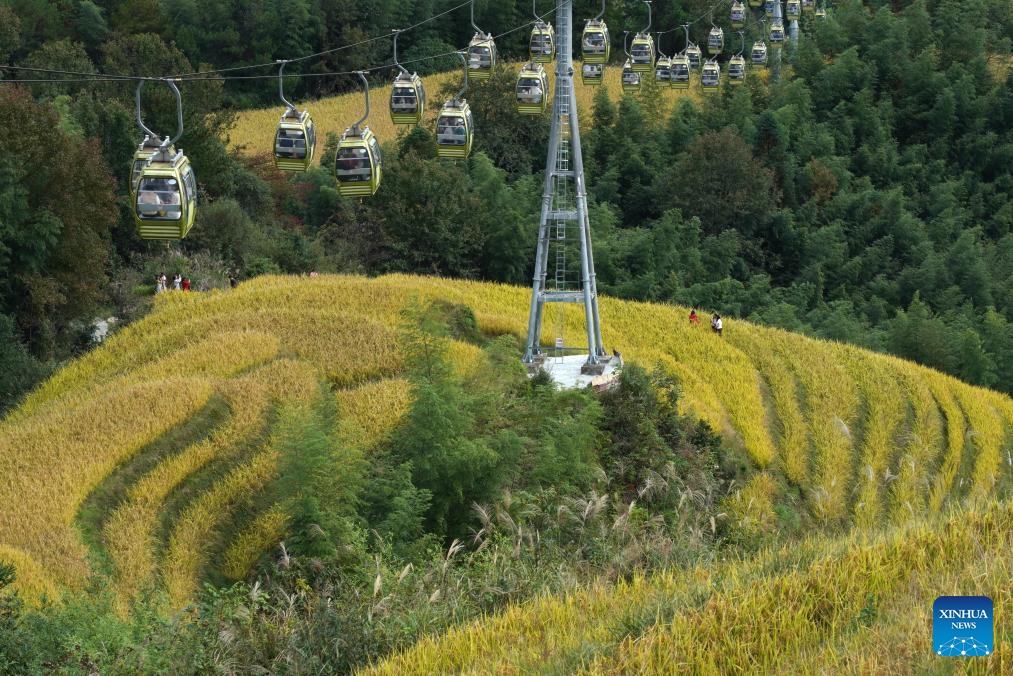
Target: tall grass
(130,534)
(262,534)
(910,494)
(49,464)
(193,535)
(369,412)
(831,404)
(793,438)
(956,427)
(786,611)
(885,405)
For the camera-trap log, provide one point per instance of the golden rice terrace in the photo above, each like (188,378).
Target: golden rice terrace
(865,441)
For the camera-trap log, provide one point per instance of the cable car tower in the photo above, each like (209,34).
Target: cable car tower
(564,230)
(778,19)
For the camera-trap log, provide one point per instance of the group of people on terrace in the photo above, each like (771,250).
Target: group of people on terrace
(717,324)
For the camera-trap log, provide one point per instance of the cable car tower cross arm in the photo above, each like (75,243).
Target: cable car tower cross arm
(564,222)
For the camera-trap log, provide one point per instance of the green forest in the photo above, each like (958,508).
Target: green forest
(862,196)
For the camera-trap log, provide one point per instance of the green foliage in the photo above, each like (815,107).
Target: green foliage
(321,507)
(19,371)
(54,222)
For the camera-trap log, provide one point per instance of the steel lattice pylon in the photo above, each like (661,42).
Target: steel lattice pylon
(564,221)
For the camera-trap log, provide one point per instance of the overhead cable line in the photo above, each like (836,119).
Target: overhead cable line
(211,75)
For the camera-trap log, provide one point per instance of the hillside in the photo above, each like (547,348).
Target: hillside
(104,461)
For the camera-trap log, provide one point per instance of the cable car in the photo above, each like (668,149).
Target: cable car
(710,76)
(407,99)
(776,34)
(481,56)
(642,53)
(481,52)
(821,13)
(736,69)
(680,71)
(738,14)
(358,164)
(759,53)
(663,70)
(407,95)
(631,79)
(715,40)
(793,10)
(695,56)
(455,127)
(594,43)
(532,89)
(295,139)
(768,8)
(543,42)
(592,74)
(755,3)
(809,5)
(165,206)
(165,190)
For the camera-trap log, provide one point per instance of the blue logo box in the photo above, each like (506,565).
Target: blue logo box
(962,626)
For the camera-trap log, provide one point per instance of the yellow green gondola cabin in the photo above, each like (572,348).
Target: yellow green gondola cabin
(736,70)
(821,13)
(481,56)
(776,35)
(166,199)
(631,79)
(737,15)
(592,74)
(542,45)
(768,8)
(759,53)
(663,70)
(594,43)
(407,99)
(532,89)
(715,41)
(793,10)
(680,72)
(358,164)
(295,141)
(695,56)
(642,53)
(455,130)
(710,77)
(809,5)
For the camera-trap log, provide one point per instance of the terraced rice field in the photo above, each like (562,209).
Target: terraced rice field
(143,461)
